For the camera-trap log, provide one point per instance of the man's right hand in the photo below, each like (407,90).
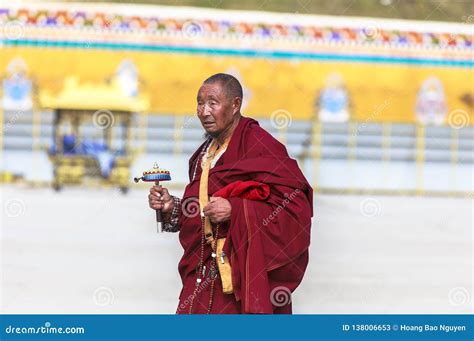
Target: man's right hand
(160,199)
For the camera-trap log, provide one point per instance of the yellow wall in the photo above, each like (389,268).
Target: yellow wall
(379,92)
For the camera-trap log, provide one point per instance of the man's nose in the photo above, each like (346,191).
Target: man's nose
(206,110)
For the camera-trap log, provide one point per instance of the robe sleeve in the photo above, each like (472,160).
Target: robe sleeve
(173,224)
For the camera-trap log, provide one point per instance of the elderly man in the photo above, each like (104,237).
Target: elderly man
(244,219)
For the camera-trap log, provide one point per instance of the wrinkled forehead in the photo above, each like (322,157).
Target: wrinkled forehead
(215,89)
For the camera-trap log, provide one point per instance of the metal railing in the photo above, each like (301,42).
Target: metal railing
(313,143)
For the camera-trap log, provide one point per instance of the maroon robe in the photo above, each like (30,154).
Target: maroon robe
(267,240)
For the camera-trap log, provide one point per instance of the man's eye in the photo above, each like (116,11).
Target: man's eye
(212,103)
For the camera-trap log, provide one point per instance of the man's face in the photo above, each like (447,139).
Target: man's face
(214,109)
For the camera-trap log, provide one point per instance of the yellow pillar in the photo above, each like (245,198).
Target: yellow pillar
(36,129)
(128,134)
(352,150)
(1,140)
(35,136)
(143,125)
(386,141)
(178,134)
(454,156)
(316,140)
(352,141)
(420,158)
(282,134)
(386,144)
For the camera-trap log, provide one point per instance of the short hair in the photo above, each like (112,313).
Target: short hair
(231,85)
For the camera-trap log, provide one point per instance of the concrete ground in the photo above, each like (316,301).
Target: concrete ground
(97,251)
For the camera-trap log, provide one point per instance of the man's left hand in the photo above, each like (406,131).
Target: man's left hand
(218,210)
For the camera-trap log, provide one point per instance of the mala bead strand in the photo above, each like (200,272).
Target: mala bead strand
(200,266)
(214,270)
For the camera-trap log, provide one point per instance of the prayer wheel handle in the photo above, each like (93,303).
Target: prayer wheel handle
(159,216)
(155,175)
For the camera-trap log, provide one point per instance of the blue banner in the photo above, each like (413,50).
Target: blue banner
(237,327)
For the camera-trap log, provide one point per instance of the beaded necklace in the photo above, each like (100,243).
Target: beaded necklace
(210,155)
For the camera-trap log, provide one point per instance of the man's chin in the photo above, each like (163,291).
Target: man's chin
(211,133)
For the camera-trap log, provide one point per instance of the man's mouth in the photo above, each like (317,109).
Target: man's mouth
(207,124)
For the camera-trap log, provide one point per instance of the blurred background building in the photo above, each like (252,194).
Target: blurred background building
(363,103)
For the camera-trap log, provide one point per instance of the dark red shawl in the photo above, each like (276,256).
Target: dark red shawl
(267,240)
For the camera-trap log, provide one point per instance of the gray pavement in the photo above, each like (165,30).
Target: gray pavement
(97,251)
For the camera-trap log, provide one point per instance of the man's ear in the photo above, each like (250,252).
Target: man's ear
(236,104)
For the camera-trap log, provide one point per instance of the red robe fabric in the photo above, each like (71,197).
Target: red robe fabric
(252,190)
(267,239)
